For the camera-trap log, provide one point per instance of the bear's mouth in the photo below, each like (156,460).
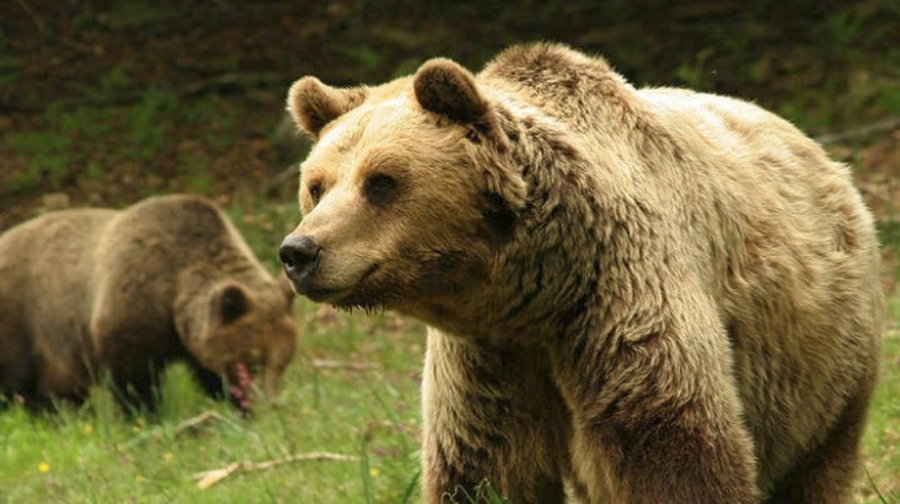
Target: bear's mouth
(335,295)
(241,390)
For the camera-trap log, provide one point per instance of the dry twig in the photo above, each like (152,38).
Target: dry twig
(209,478)
(878,191)
(860,132)
(335,364)
(195,422)
(190,424)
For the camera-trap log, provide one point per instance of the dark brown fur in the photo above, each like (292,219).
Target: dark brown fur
(87,291)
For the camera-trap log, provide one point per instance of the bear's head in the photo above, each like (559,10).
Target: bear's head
(244,334)
(408,195)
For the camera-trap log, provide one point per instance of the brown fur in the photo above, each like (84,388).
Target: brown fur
(645,295)
(89,290)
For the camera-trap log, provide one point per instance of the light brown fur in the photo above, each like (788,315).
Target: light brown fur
(89,290)
(645,295)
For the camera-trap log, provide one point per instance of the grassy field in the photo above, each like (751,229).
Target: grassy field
(364,410)
(882,441)
(349,402)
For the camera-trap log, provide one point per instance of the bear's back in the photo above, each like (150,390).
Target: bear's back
(168,243)
(186,222)
(48,259)
(167,233)
(765,183)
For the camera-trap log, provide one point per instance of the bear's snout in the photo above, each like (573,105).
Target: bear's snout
(300,256)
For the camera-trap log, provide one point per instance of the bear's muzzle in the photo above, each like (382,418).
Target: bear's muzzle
(300,257)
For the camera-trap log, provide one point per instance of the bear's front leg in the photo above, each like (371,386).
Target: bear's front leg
(136,390)
(135,373)
(494,421)
(657,421)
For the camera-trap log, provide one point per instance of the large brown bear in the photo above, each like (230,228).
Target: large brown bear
(90,290)
(645,295)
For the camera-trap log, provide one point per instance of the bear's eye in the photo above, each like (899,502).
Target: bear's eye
(380,189)
(472,136)
(315,191)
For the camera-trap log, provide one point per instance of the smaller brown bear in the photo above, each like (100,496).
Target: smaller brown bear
(87,291)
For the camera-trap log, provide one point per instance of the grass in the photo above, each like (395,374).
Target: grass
(882,441)
(96,454)
(353,390)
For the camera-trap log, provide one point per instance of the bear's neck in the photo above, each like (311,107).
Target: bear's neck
(582,233)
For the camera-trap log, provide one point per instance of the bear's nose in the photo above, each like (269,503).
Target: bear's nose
(300,256)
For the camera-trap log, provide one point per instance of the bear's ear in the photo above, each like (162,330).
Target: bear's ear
(313,104)
(230,303)
(446,88)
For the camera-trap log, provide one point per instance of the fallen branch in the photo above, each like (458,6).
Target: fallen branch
(334,364)
(197,421)
(860,132)
(185,426)
(209,478)
(878,191)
